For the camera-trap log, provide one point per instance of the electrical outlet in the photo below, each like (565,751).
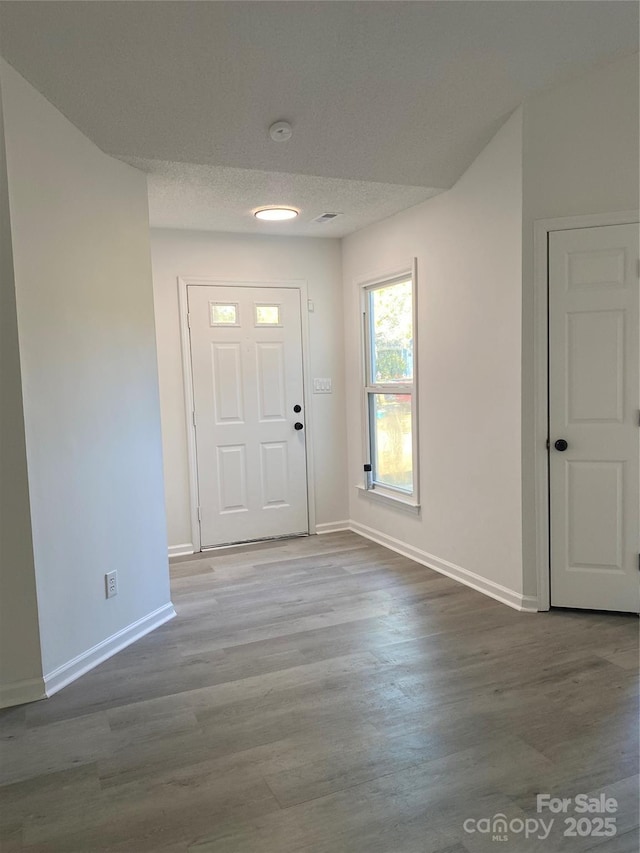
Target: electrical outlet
(111,584)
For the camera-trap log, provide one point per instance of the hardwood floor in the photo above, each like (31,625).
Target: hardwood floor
(327,695)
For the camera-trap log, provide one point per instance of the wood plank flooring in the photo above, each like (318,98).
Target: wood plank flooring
(327,695)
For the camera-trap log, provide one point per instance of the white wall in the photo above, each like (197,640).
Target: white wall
(581,144)
(580,156)
(20,662)
(240,257)
(468,245)
(89,373)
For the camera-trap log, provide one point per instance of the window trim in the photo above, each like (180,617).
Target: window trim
(388,494)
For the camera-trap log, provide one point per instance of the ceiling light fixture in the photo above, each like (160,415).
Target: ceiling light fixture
(275,214)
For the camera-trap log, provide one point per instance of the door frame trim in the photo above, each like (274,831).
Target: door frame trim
(187,378)
(542,229)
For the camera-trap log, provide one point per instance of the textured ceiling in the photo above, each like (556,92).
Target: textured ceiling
(392,93)
(220,198)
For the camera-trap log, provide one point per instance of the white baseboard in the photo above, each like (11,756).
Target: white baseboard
(181,550)
(514,599)
(21,692)
(73,669)
(333,526)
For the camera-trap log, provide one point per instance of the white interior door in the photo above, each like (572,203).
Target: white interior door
(246,356)
(594,403)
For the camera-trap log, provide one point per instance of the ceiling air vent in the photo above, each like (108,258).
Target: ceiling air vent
(326,217)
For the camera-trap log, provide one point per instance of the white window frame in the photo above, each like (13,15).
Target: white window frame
(379,491)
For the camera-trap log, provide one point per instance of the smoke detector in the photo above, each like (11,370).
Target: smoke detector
(280,131)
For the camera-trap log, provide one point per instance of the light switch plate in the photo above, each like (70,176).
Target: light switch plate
(321,386)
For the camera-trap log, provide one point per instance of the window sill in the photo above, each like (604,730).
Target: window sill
(406,504)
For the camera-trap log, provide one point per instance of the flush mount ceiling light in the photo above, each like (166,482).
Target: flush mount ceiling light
(275,214)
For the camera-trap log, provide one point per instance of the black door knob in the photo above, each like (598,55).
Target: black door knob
(297,408)
(561,445)
(298,425)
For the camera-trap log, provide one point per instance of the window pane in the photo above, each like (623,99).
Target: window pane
(392,450)
(224,315)
(267,315)
(391,333)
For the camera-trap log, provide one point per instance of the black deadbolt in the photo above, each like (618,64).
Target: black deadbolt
(561,445)
(298,425)
(297,408)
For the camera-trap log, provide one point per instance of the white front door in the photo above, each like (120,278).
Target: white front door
(246,357)
(594,405)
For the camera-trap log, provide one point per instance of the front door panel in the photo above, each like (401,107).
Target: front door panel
(246,355)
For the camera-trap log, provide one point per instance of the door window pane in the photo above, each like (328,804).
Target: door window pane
(224,314)
(392,447)
(391,333)
(267,315)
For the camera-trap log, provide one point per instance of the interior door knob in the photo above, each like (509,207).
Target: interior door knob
(297,408)
(561,445)
(298,425)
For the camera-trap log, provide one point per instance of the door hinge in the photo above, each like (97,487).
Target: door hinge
(194,418)
(199,514)
(189,320)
